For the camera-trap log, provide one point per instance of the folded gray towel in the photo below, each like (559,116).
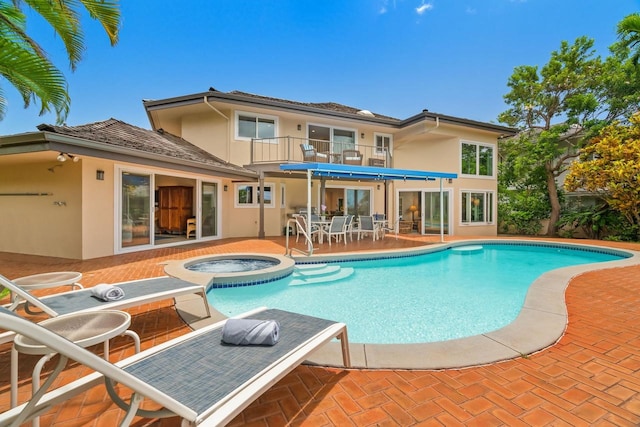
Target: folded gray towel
(107,292)
(250,332)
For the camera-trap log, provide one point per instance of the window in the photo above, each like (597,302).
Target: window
(477,207)
(250,125)
(476,159)
(383,143)
(248,195)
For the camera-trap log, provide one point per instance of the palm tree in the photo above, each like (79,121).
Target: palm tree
(629,34)
(24,64)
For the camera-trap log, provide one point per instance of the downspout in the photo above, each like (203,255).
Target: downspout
(434,128)
(206,102)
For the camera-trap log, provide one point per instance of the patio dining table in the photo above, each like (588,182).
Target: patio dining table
(378,225)
(323,225)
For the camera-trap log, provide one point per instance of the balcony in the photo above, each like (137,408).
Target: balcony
(289,149)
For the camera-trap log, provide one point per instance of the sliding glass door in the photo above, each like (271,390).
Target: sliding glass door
(209,225)
(135,222)
(358,201)
(432,212)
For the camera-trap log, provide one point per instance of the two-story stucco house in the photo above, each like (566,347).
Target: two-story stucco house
(210,168)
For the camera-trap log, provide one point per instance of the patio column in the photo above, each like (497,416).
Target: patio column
(309,243)
(441,213)
(322,195)
(261,219)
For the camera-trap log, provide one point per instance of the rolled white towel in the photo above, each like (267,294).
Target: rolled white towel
(250,332)
(107,292)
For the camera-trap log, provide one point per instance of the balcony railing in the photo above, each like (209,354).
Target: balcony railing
(292,149)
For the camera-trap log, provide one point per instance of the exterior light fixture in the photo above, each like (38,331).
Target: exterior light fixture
(100,175)
(62,157)
(299,127)
(226,187)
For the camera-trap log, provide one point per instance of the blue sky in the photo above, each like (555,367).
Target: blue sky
(393,57)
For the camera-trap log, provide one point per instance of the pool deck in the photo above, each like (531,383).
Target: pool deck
(590,376)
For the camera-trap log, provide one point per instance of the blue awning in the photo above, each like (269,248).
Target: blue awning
(336,170)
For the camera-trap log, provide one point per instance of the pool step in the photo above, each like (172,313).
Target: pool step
(323,270)
(326,275)
(307,267)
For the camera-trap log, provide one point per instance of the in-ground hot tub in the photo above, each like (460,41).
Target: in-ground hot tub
(234,269)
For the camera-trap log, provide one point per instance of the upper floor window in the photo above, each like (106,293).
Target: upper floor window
(248,195)
(476,159)
(251,125)
(383,143)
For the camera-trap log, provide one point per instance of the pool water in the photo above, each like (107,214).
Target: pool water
(231,265)
(426,298)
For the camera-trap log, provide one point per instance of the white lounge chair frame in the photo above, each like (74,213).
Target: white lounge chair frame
(137,292)
(261,374)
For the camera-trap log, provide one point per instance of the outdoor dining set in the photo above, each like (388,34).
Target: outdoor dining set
(342,227)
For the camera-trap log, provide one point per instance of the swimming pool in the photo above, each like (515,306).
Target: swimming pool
(436,296)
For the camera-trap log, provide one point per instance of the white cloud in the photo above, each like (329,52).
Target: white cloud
(423,8)
(385,6)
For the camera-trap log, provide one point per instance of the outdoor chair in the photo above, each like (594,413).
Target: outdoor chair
(366,226)
(301,228)
(194,376)
(348,227)
(136,293)
(351,157)
(336,229)
(389,229)
(310,154)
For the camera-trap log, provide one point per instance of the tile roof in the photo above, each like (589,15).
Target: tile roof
(120,134)
(330,106)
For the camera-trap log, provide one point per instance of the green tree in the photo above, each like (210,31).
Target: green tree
(610,167)
(629,34)
(559,107)
(24,64)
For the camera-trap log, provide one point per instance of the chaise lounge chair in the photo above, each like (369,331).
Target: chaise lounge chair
(194,376)
(136,293)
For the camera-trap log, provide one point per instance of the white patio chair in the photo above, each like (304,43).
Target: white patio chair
(366,226)
(336,229)
(301,228)
(348,227)
(391,229)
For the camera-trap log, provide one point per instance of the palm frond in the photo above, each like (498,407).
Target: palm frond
(34,77)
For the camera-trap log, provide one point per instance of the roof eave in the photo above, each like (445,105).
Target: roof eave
(260,102)
(50,141)
(302,109)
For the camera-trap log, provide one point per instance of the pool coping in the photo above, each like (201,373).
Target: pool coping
(540,324)
(178,268)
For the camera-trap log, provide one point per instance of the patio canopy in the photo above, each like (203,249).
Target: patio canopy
(338,171)
(335,170)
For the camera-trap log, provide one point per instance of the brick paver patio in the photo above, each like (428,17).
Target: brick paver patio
(590,377)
